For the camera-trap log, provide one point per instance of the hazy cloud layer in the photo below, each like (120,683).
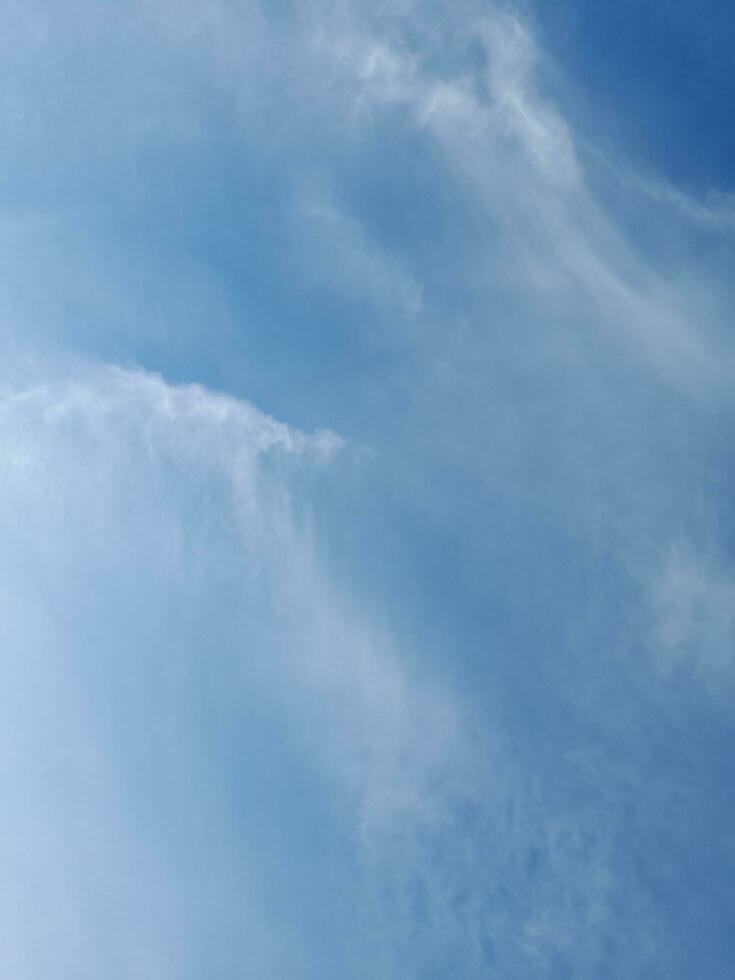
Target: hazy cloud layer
(445,694)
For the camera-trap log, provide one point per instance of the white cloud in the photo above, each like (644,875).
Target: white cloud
(115,480)
(121,497)
(115,484)
(517,154)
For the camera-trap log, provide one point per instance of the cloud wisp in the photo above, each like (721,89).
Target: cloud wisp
(274,705)
(125,502)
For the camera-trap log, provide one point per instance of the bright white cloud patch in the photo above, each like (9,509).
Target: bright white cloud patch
(115,531)
(123,496)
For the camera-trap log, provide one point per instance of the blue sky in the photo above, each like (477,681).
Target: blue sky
(368,550)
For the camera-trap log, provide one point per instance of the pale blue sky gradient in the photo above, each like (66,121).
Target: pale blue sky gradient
(367,541)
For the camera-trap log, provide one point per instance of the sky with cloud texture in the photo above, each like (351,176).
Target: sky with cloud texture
(367,490)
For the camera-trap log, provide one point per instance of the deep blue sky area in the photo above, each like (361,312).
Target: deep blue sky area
(661,75)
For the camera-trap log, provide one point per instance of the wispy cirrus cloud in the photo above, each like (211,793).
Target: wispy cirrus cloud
(124,496)
(395,719)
